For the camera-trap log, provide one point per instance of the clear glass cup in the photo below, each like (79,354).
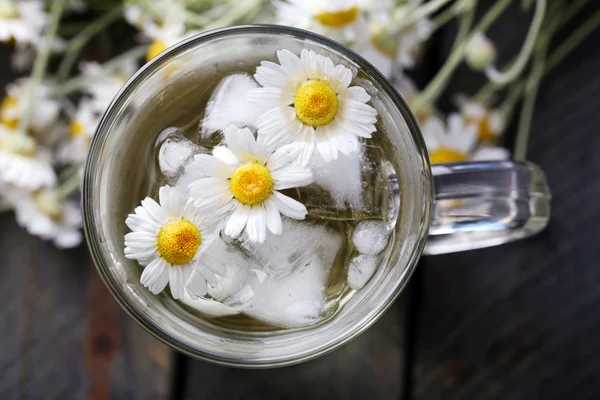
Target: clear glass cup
(449,207)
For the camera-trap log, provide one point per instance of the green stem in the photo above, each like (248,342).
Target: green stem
(439,82)
(70,185)
(78,42)
(574,39)
(40,64)
(466,21)
(571,11)
(514,70)
(241,11)
(415,15)
(81,81)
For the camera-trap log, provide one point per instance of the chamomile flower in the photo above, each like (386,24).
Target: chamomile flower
(23,163)
(243,181)
(490,123)
(104,86)
(45,214)
(343,20)
(22,21)
(14,105)
(308,101)
(456,142)
(81,129)
(168,239)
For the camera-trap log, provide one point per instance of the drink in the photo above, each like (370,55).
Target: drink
(314,267)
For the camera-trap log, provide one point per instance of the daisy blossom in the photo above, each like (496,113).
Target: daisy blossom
(23,162)
(102,86)
(168,239)
(81,129)
(243,181)
(13,106)
(22,21)
(346,21)
(456,142)
(308,101)
(45,214)
(491,123)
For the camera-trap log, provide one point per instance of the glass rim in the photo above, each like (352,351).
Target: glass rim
(93,236)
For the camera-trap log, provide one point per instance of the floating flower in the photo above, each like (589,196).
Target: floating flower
(22,21)
(168,239)
(243,181)
(81,129)
(45,214)
(456,142)
(490,123)
(22,162)
(14,104)
(308,101)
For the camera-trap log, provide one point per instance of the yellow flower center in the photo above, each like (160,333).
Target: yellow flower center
(155,48)
(483,124)
(337,19)
(48,202)
(316,103)
(18,143)
(385,44)
(75,128)
(7,103)
(178,242)
(446,155)
(252,184)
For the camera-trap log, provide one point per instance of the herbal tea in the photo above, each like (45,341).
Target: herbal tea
(271,200)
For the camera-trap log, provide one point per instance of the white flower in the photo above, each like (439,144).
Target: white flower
(243,181)
(308,101)
(14,104)
(490,123)
(343,20)
(168,239)
(23,162)
(81,129)
(22,21)
(480,52)
(456,142)
(43,213)
(104,86)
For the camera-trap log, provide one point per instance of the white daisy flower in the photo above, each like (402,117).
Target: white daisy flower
(343,20)
(13,106)
(456,142)
(308,101)
(490,123)
(81,129)
(22,21)
(243,181)
(104,86)
(45,214)
(168,239)
(23,162)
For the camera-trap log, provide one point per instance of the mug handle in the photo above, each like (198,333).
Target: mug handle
(482,204)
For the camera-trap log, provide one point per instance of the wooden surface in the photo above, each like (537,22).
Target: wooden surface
(516,322)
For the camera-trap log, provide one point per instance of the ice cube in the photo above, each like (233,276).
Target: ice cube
(298,263)
(228,105)
(361,270)
(208,307)
(371,237)
(342,178)
(175,153)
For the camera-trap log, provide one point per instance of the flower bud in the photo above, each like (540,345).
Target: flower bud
(480,52)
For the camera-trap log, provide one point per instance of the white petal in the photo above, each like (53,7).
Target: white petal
(156,276)
(237,221)
(257,224)
(196,283)
(171,201)
(269,97)
(212,166)
(283,157)
(292,65)
(210,189)
(154,210)
(306,138)
(291,177)
(225,155)
(288,206)
(139,223)
(271,74)
(278,125)
(356,93)
(434,133)
(177,281)
(489,153)
(342,75)
(273,217)
(240,141)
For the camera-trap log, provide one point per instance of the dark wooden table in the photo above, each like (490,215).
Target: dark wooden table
(517,322)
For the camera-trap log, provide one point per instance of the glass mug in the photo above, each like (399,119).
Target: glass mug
(444,208)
